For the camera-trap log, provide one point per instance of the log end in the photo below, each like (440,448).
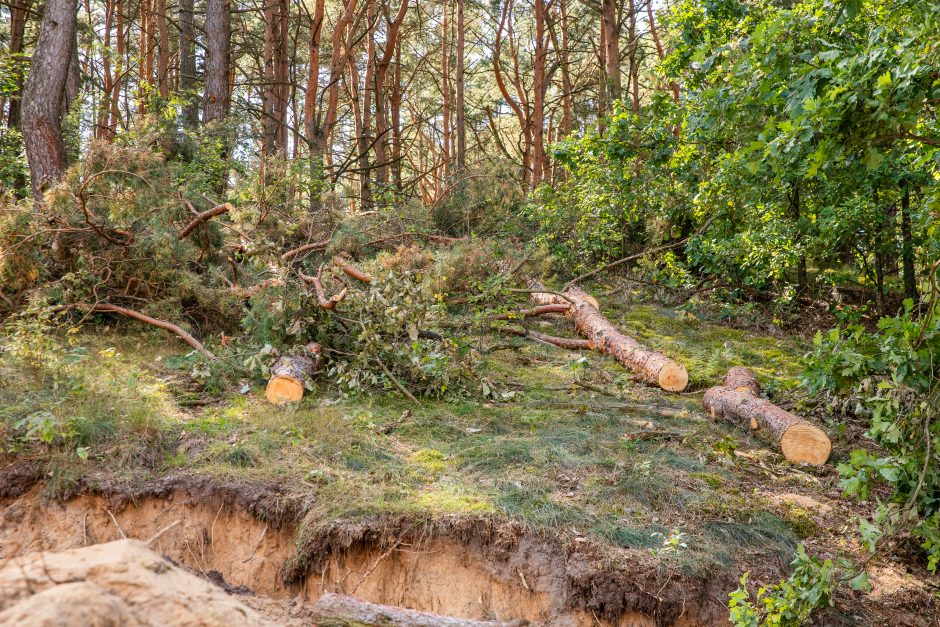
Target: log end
(283,389)
(673,377)
(806,443)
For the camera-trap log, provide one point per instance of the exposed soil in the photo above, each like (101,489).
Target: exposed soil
(242,538)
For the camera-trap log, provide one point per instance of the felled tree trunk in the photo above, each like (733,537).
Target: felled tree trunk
(799,440)
(652,366)
(742,379)
(290,373)
(340,610)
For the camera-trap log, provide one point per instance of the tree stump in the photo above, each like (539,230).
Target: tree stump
(290,374)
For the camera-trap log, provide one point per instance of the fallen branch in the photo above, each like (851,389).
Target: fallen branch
(203,217)
(352,271)
(162,324)
(304,249)
(541,310)
(322,300)
(561,342)
(340,610)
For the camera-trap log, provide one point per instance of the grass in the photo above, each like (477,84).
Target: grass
(551,456)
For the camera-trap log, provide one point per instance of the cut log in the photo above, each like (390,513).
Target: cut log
(652,366)
(340,610)
(290,373)
(799,440)
(742,379)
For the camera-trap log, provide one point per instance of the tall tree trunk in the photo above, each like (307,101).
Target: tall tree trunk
(187,80)
(907,247)
(114,117)
(459,78)
(446,105)
(275,88)
(537,119)
(611,48)
(163,58)
(634,62)
(104,108)
(218,42)
(18,12)
(44,94)
(365,127)
(802,282)
(567,104)
(382,130)
(395,106)
(654,32)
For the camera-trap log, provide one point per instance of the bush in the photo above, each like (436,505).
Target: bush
(890,380)
(790,602)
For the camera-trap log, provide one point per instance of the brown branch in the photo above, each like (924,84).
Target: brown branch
(541,310)
(561,342)
(325,303)
(352,271)
(305,248)
(163,324)
(204,216)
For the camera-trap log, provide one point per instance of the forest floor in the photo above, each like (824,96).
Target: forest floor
(580,496)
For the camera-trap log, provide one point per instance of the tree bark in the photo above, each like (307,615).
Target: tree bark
(634,62)
(187,78)
(611,49)
(218,44)
(652,366)
(18,13)
(459,79)
(339,610)
(742,379)
(907,248)
(799,440)
(44,95)
(163,56)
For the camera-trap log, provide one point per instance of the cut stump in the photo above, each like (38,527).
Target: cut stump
(290,373)
(799,440)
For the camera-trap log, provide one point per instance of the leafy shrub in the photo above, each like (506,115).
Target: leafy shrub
(382,340)
(890,379)
(790,602)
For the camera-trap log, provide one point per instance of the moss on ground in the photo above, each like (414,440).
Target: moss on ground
(550,454)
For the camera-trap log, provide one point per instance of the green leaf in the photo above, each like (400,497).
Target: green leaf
(873,159)
(884,80)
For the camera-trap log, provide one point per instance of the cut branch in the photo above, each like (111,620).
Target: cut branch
(203,217)
(352,271)
(163,324)
(304,249)
(541,310)
(561,342)
(322,300)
